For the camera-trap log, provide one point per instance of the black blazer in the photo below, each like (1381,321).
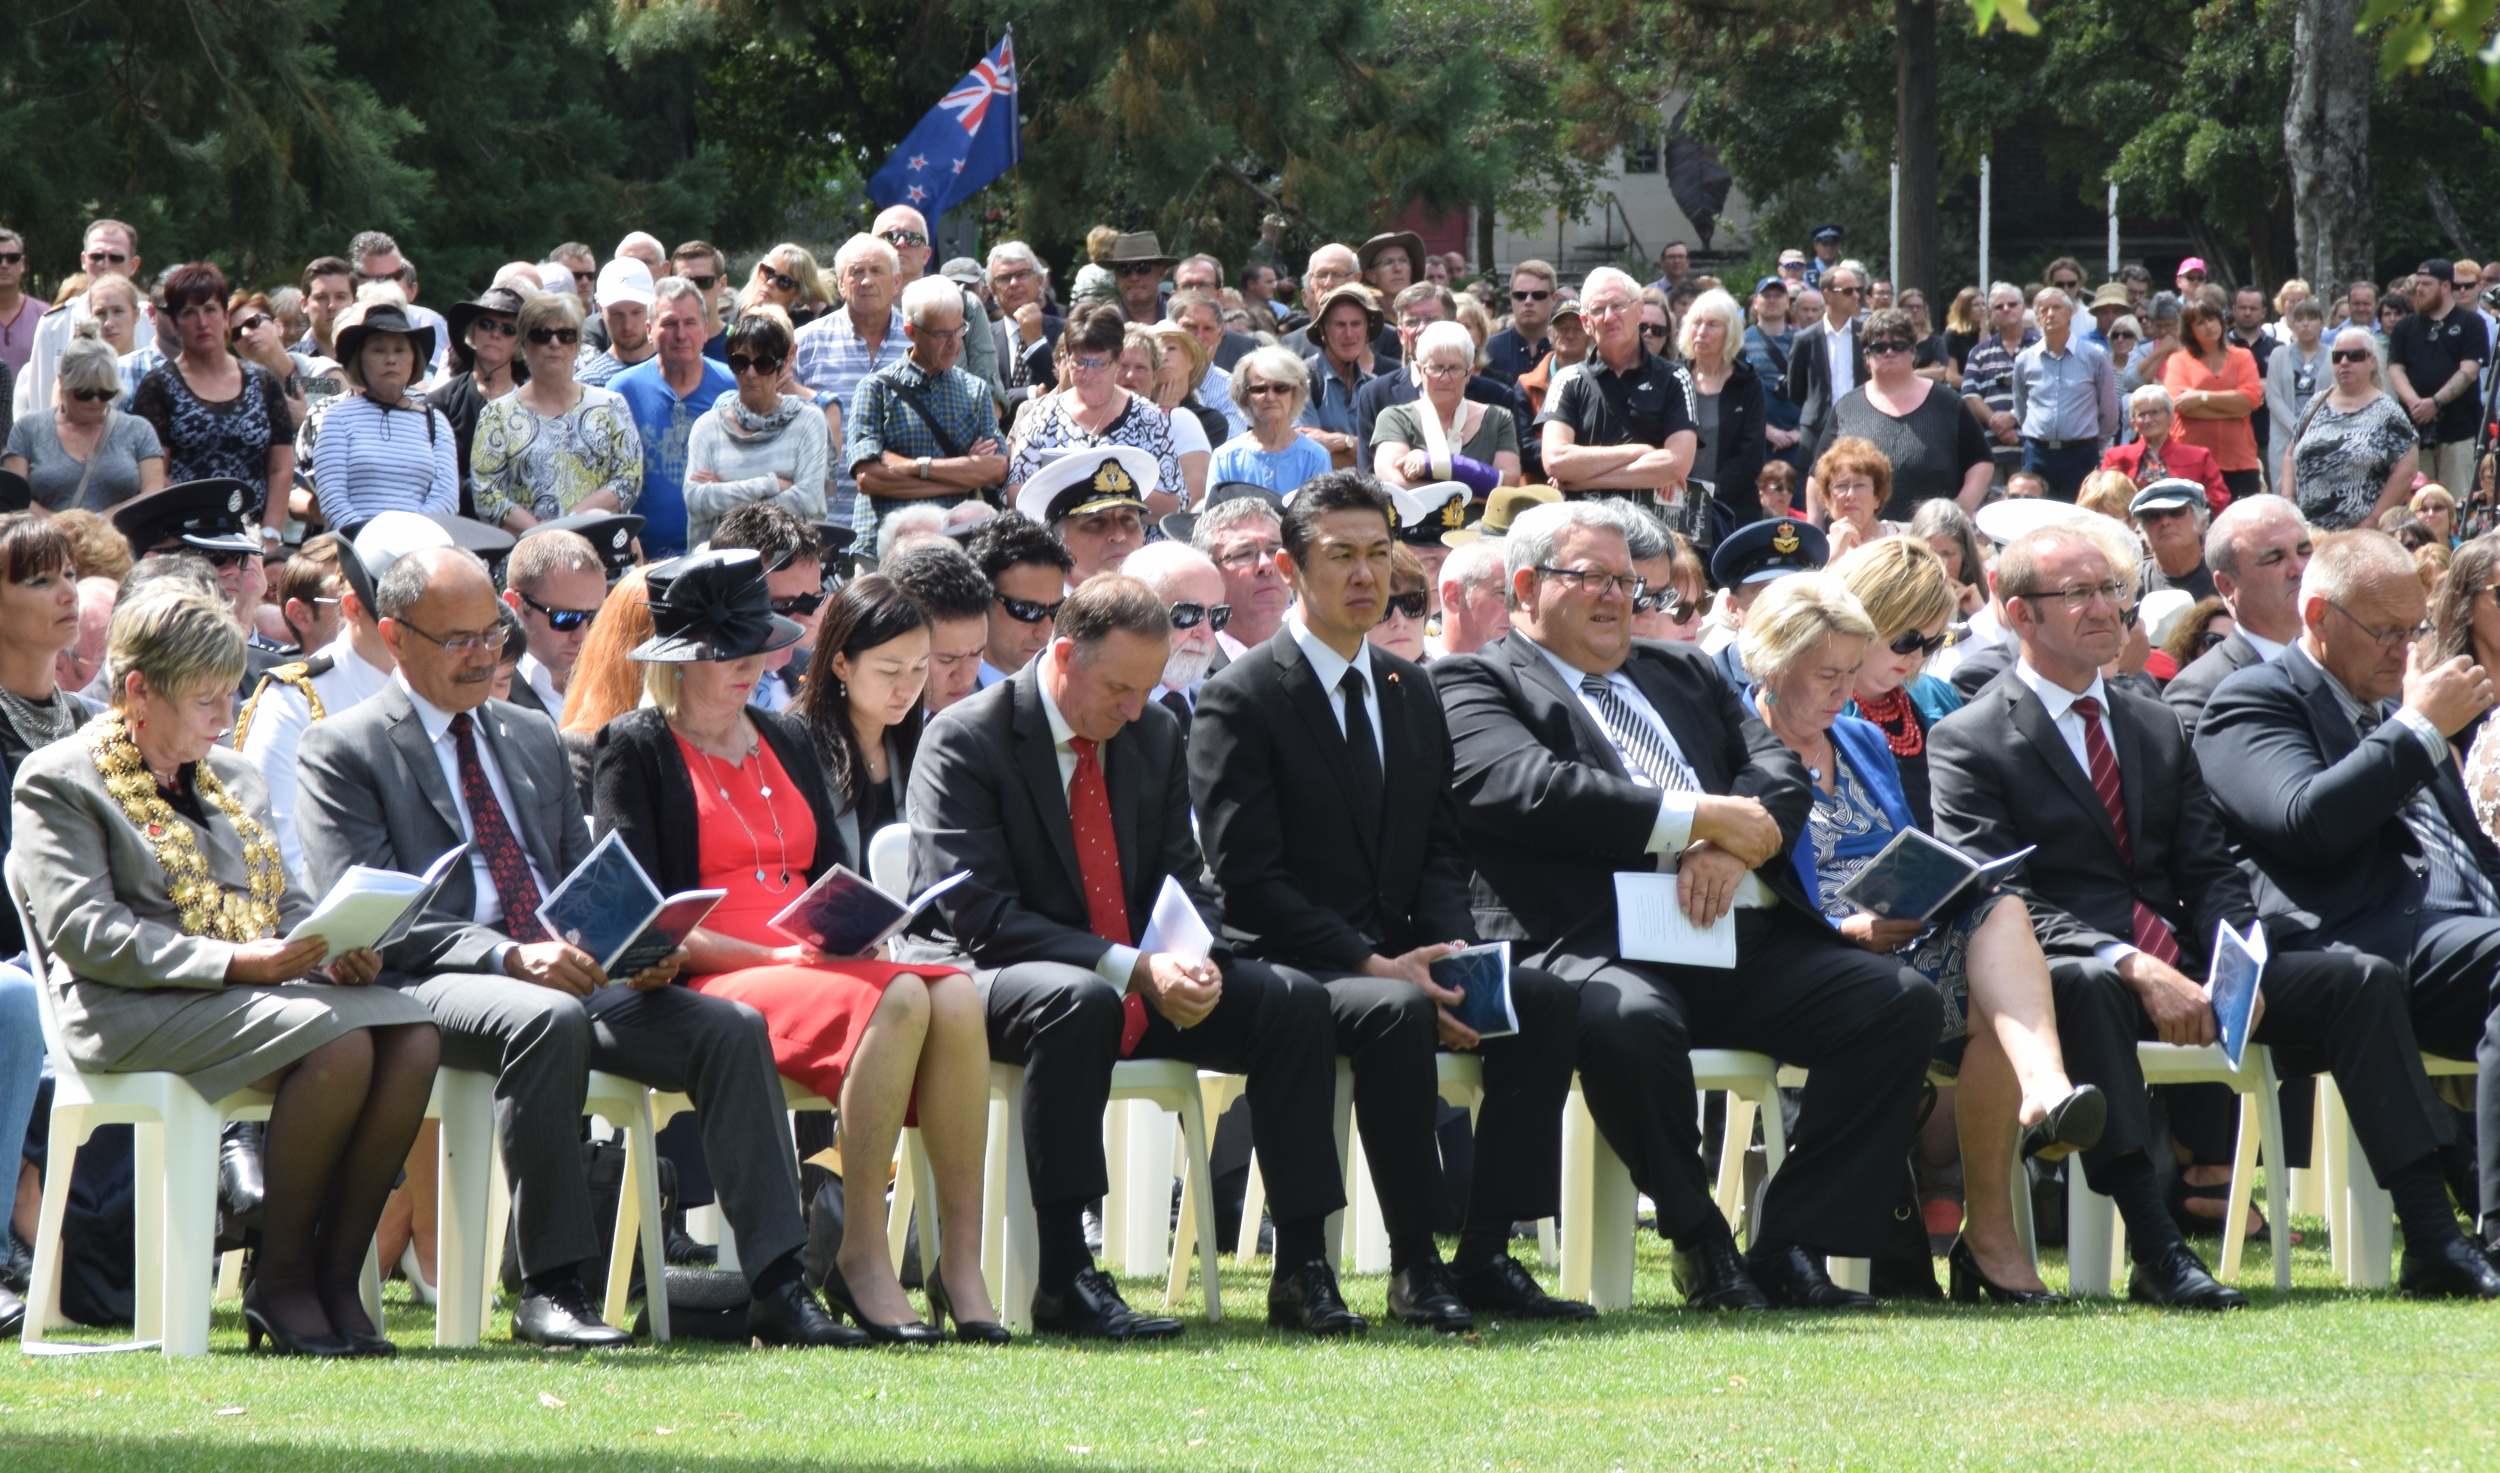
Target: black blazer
(642,790)
(525,696)
(985,797)
(1972,675)
(1744,416)
(1040,362)
(1309,877)
(2002,778)
(1234,347)
(1809,381)
(2314,807)
(2193,686)
(1548,810)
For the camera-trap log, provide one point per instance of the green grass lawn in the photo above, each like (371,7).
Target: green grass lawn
(2319,1378)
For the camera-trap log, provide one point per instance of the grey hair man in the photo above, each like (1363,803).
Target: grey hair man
(1242,538)
(1475,608)
(1192,590)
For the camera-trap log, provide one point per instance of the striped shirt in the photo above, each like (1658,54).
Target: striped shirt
(369,460)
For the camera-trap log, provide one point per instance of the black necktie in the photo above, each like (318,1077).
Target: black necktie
(1360,744)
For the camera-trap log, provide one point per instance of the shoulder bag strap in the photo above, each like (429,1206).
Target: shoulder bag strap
(79,496)
(920,406)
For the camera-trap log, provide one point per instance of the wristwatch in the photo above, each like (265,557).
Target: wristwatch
(271,534)
(924,467)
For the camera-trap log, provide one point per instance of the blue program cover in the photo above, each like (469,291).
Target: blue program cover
(1918,875)
(602,906)
(2239,969)
(1483,973)
(667,931)
(844,915)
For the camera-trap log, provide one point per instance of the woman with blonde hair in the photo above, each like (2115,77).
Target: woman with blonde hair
(1177,382)
(1139,370)
(554,446)
(81,452)
(789,278)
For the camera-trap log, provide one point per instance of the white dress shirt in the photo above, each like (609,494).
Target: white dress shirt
(1118,961)
(487,909)
(1838,346)
(2267,650)
(1331,667)
(279,718)
(543,681)
(1673,832)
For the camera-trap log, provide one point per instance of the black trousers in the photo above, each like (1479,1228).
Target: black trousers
(1062,1024)
(1862,1025)
(2455,972)
(2339,1010)
(1385,1028)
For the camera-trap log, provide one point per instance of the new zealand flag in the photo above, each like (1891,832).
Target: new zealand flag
(970,138)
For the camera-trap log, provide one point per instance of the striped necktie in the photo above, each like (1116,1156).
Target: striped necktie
(1652,762)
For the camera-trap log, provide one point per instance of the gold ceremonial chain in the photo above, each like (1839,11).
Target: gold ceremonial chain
(203,907)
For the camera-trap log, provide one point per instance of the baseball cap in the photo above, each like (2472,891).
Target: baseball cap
(2440,267)
(1770,283)
(2192,263)
(624,279)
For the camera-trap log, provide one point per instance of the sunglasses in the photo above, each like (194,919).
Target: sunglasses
(2351,355)
(701,283)
(799,605)
(1026,611)
(108,258)
(1138,268)
(257,319)
(12,258)
(568,336)
(1409,603)
(1654,330)
(586,278)
(501,326)
(746,363)
(402,272)
(1261,391)
(1187,615)
(562,621)
(1913,642)
(905,238)
(2210,639)
(90,396)
(227,558)
(1666,600)
(1889,347)
(781,280)
(1520,296)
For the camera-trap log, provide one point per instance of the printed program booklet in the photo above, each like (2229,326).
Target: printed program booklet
(375,907)
(844,915)
(1917,876)
(2238,970)
(609,908)
(1483,973)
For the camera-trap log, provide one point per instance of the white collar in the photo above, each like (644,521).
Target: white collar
(2268,651)
(1571,674)
(1326,663)
(2057,699)
(341,653)
(433,718)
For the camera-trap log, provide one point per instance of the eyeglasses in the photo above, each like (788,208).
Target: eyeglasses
(1187,615)
(461,645)
(1888,348)
(1839,291)
(1262,390)
(1088,365)
(799,605)
(701,283)
(2078,595)
(500,326)
(939,334)
(1243,559)
(1026,611)
(2351,355)
(1445,370)
(1675,606)
(781,280)
(904,237)
(91,396)
(542,336)
(1138,268)
(752,363)
(1597,581)
(1911,642)
(2067,285)
(562,621)
(107,258)
(2388,640)
(1520,296)
(1409,603)
(1013,275)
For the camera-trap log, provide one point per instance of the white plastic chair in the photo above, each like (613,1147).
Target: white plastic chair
(1600,1207)
(624,1103)
(2095,1250)
(2360,1216)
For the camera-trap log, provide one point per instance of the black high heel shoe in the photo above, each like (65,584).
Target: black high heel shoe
(257,1323)
(2072,1124)
(364,1344)
(911,1332)
(1970,1285)
(970,1332)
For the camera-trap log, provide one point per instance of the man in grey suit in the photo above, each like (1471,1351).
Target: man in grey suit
(431,762)
(1826,360)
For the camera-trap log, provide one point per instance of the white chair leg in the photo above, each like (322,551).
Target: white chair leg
(186,1158)
(2243,1190)
(994,1204)
(465,1155)
(43,1292)
(1548,1249)
(2092,1235)
(1022,1266)
(1733,1144)
(498,1230)
(1196,1237)
(147,1220)
(369,1284)
(1343,1121)
(230,1277)
(1371,1228)
(1599,1210)
(642,1141)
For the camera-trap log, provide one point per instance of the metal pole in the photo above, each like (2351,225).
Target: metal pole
(1892,260)
(2113,230)
(1983,226)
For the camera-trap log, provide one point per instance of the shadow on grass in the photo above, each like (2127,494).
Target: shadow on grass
(191,1455)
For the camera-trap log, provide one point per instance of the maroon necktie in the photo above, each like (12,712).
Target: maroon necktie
(493,833)
(2152,933)
(1098,865)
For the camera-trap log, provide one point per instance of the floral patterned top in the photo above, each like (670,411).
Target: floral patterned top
(2342,461)
(548,466)
(1049,424)
(224,438)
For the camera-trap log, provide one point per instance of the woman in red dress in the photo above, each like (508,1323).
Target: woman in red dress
(712,793)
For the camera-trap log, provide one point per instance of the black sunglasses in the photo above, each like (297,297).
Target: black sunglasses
(2210,639)
(1187,615)
(501,326)
(12,258)
(248,323)
(1676,607)
(799,605)
(781,279)
(1409,603)
(90,396)
(1139,268)
(1887,348)
(2351,355)
(701,283)
(562,621)
(108,258)
(1913,642)
(568,336)
(906,238)
(744,363)
(225,557)
(1653,329)
(1026,611)
(1520,296)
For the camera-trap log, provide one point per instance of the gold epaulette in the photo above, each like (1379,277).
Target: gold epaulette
(298,675)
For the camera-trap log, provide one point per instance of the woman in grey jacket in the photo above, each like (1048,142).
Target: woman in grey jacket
(758,444)
(2294,376)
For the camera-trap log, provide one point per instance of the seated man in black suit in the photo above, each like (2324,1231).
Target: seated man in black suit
(2257,549)
(2332,768)
(1063,790)
(1582,752)
(2130,877)
(1321,769)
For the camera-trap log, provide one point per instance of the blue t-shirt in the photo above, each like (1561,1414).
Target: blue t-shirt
(1281,471)
(666,423)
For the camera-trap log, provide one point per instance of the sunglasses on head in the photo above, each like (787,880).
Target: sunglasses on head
(1187,615)
(542,336)
(1520,296)
(748,363)
(799,605)
(1912,642)
(1026,611)
(1409,603)
(562,621)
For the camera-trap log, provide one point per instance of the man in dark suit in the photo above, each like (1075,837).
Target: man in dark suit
(1811,384)
(1063,793)
(2257,549)
(2332,769)
(1586,760)
(2130,875)
(430,763)
(1321,769)
(555,584)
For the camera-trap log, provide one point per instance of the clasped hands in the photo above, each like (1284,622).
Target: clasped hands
(1183,991)
(1730,836)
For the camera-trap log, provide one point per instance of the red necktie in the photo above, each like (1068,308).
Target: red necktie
(505,862)
(1098,865)
(2152,933)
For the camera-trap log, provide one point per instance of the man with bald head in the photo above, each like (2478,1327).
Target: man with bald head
(431,763)
(2257,550)
(907,230)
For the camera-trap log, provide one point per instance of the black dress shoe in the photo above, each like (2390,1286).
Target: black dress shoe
(2450,1270)
(2178,1279)
(1714,1276)
(1970,1285)
(1306,1298)
(909,1332)
(561,1319)
(1792,1278)
(790,1315)
(2072,1124)
(17,1261)
(1502,1286)
(12,1312)
(1425,1296)
(1091,1308)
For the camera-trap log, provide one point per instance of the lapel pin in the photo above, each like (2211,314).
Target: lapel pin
(1393,677)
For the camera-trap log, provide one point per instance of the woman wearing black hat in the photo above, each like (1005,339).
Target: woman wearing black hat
(879,1038)
(486,364)
(215,414)
(384,449)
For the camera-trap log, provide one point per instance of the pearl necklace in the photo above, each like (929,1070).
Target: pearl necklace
(764,790)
